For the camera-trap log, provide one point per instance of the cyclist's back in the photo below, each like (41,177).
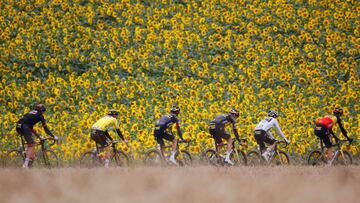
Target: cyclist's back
(105,123)
(32,118)
(166,121)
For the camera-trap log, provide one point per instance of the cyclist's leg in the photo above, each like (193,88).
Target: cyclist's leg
(158,137)
(26,132)
(259,137)
(100,139)
(170,137)
(323,134)
(217,138)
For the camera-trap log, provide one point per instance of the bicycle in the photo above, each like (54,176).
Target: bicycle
(93,158)
(237,156)
(154,157)
(340,157)
(277,156)
(45,157)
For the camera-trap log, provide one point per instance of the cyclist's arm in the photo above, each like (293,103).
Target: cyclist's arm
(343,131)
(120,134)
(179,130)
(108,135)
(235,129)
(47,130)
(280,132)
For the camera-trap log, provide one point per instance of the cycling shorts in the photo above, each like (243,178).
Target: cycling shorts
(324,134)
(26,132)
(261,138)
(218,135)
(100,137)
(160,135)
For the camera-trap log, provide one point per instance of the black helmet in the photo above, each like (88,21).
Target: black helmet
(338,111)
(113,112)
(175,109)
(40,107)
(273,114)
(234,112)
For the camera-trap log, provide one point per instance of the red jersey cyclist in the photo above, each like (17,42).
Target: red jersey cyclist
(263,134)
(101,136)
(25,127)
(324,131)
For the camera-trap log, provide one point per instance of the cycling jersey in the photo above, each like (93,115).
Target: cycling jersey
(220,122)
(107,123)
(267,123)
(327,121)
(166,122)
(32,118)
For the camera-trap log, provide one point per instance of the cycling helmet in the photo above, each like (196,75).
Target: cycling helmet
(338,111)
(113,112)
(40,108)
(174,109)
(234,112)
(273,114)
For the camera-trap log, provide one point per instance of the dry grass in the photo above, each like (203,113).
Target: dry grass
(198,184)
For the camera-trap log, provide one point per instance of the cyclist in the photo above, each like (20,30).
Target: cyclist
(161,132)
(25,127)
(217,130)
(101,136)
(263,134)
(324,131)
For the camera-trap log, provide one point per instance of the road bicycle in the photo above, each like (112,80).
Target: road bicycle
(277,157)
(340,156)
(237,156)
(44,158)
(154,157)
(94,158)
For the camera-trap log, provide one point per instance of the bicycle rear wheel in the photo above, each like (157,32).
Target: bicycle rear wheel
(241,160)
(153,158)
(46,159)
(183,158)
(254,158)
(89,159)
(280,159)
(14,159)
(316,158)
(344,159)
(119,159)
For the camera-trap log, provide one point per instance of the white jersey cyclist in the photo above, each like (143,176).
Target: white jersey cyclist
(267,123)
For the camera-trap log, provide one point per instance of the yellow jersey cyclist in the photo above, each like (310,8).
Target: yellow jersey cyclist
(161,132)
(217,130)
(25,127)
(263,134)
(101,136)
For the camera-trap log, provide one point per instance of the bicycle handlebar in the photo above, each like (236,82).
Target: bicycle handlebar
(48,138)
(282,144)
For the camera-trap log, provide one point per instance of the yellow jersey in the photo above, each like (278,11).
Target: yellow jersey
(106,123)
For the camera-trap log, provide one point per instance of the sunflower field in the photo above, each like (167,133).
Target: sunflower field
(83,57)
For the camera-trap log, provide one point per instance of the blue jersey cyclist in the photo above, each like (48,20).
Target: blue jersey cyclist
(161,131)
(25,127)
(218,132)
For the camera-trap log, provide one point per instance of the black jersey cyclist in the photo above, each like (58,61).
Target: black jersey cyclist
(218,132)
(25,127)
(161,131)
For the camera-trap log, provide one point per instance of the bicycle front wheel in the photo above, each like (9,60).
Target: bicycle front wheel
(119,159)
(46,159)
(183,158)
(316,158)
(343,159)
(254,158)
(89,160)
(281,159)
(153,158)
(14,159)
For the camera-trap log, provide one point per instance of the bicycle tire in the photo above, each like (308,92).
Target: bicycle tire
(241,161)
(153,158)
(343,160)
(89,160)
(280,159)
(14,159)
(254,158)
(316,158)
(46,159)
(119,159)
(185,159)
